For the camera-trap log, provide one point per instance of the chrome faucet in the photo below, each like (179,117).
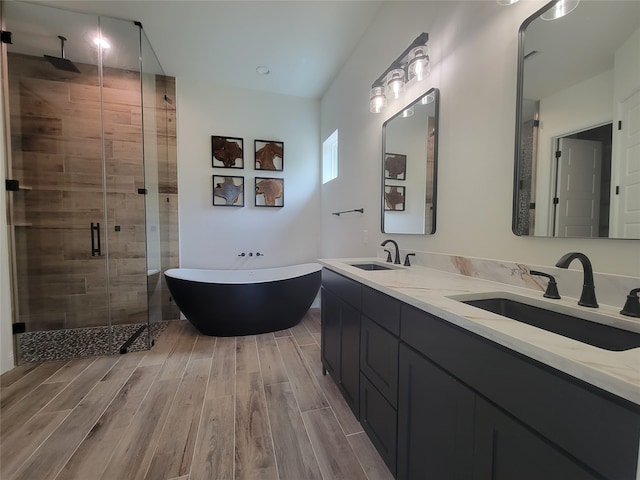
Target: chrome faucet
(397,259)
(588,296)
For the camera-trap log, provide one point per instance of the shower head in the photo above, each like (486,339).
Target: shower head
(60,62)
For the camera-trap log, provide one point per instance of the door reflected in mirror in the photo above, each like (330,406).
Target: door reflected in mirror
(409,161)
(577,161)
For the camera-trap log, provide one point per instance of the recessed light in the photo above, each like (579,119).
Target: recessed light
(263,70)
(101,42)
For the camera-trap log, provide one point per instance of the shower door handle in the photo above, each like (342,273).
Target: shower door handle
(95,229)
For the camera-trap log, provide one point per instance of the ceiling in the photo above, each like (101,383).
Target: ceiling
(579,46)
(303,43)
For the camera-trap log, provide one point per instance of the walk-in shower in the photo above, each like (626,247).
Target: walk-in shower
(92,182)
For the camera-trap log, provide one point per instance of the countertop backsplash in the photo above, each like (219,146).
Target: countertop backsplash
(611,290)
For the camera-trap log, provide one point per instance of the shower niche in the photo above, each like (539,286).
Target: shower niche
(93,206)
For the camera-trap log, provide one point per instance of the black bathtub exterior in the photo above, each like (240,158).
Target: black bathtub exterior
(225,310)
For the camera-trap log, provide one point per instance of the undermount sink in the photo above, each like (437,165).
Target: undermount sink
(583,330)
(371,266)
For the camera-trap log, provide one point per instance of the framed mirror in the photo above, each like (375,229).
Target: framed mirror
(577,155)
(409,167)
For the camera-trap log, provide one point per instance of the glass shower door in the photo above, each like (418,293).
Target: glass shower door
(155,117)
(58,215)
(125,184)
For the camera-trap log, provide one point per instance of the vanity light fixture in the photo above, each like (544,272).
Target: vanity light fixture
(395,82)
(418,67)
(560,9)
(412,64)
(377,100)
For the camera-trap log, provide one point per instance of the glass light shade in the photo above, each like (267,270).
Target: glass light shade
(407,112)
(395,82)
(506,2)
(418,63)
(427,99)
(377,100)
(560,9)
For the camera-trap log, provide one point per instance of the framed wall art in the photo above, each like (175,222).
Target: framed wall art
(395,166)
(228,191)
(269,192)
(227,152)
(269,155)
(394,198)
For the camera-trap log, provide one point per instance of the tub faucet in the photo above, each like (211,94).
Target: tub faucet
(588,296)
(397,259)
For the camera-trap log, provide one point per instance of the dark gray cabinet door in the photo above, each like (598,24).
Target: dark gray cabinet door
(341,346)
(350,357)
(435,421)
(505,450)
(331,333)
(379,358)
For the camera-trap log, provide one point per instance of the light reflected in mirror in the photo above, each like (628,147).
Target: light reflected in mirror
(577,165)
(409,144)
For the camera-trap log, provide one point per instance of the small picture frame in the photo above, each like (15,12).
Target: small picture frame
(394,198)
(269,192)
(228,191)
(395,166)
(269,155)
(227,152)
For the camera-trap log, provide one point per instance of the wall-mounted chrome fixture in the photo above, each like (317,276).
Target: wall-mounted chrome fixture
(412,64)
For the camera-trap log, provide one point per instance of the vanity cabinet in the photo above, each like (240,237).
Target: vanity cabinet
(523,406)
(438,401)
(341,304)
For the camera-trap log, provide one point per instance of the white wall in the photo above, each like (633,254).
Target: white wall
(212,237)
(474,53)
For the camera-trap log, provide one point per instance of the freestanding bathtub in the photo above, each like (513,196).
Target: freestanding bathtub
(244,302)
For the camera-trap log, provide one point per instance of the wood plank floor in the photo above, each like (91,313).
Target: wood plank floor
(194,407)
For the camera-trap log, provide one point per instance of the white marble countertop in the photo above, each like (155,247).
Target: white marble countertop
(430,290)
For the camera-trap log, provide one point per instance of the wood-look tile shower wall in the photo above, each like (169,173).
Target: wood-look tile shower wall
(56,143)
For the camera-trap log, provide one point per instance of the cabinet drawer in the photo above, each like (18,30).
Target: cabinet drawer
(379,358)
(593,426)
(379,420)
(348,290)
(382,309)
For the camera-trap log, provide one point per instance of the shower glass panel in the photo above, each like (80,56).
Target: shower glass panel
(124,180)
(58,215)
(88,141)
(154,121)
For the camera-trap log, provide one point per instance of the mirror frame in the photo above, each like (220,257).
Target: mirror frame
(518,130)
(436,93)
(519,98)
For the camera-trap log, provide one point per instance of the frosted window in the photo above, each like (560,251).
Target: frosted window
(330,158)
